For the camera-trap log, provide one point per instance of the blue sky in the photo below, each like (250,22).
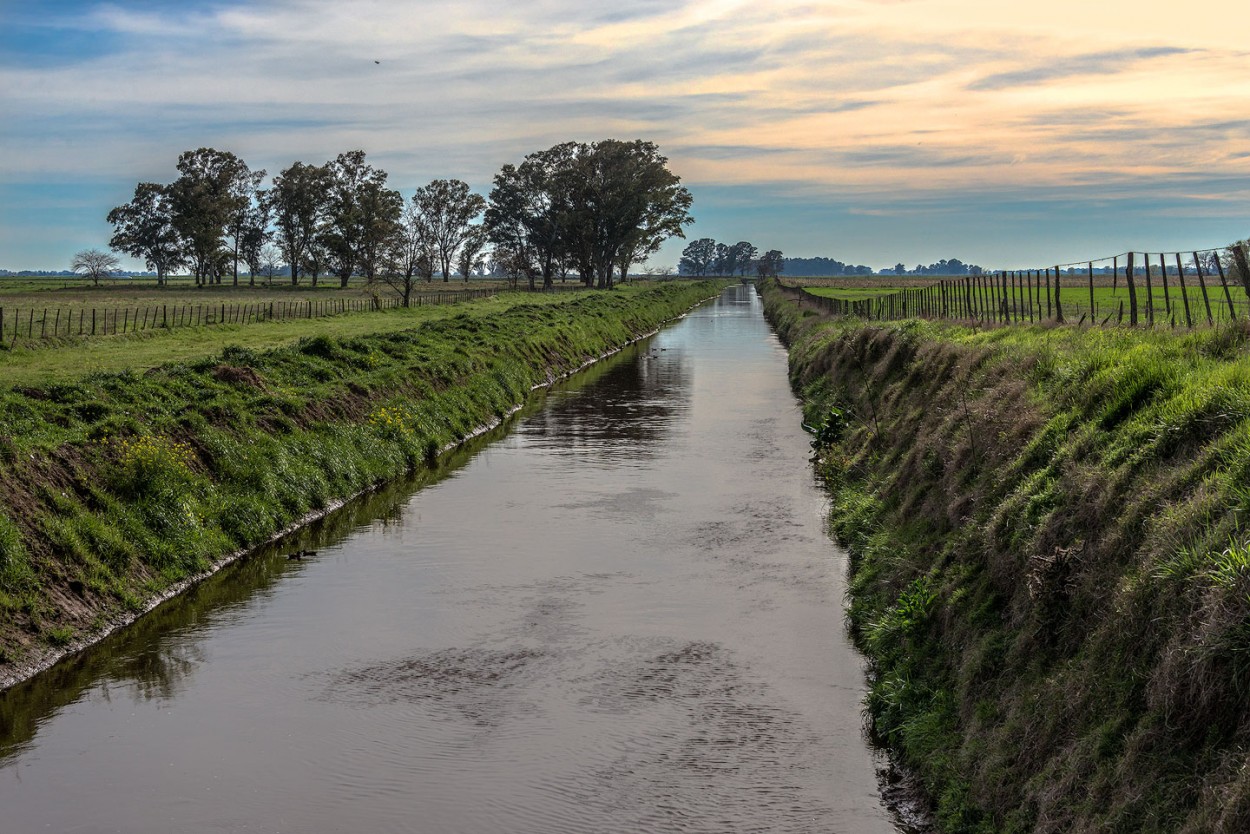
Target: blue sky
(872,131)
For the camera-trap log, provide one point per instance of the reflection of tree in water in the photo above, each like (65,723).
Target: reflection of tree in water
(153,657)
(624,413)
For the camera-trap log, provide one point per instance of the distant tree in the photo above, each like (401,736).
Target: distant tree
(144,228)
(297,202)
(525,218)
(771,264)
(205,197)
(246,199)
(744,255)
(410,257)
(470,255)
(723,262)
(697,257)
(448,207)
(345,229)
(381,210)
(254,236)
(269,262)
(94,264)
(900,269)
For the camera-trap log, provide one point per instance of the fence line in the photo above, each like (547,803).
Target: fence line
(1036,295)
(51,323)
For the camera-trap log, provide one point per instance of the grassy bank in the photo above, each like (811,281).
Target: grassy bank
(116,487)
(1050,563)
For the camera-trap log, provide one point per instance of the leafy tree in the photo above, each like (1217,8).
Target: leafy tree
(900,269)
(697,257)
(469,257)
(380,212)
(205,197)
(621,199)
(410,255)
(448,207)
(743,256)
(722,260)
(527,214)
(297,202)
(254,236)
(771,264)
(344,233)
(144,228)
(246,200)
(94,264)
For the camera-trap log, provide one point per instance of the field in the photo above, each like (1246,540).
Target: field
(58,362)
(1110,298)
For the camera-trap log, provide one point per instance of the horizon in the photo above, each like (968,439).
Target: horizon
(1005,137)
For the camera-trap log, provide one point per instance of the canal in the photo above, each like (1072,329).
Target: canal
(619,613)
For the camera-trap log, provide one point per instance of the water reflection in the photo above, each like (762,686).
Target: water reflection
(153,658)
(621,412)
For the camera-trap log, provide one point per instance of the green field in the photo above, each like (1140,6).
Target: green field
(1110,301)
(61,362)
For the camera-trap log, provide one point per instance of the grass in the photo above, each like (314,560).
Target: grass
(36,365)
(1048,542)
(113,486)
(1110,298)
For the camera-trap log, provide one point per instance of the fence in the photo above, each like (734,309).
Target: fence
(51,323)
(1073,296)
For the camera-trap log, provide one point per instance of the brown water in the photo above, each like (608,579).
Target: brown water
(620,614)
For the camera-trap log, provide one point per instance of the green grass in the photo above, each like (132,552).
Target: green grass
(42,364)
(1048,542)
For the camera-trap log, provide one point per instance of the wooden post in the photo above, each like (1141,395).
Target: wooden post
(92,321)
(1132,291)
(56,328)
(1167,295)
(1058,302)
(1203,283)
(1232,311)
(1115,274)
(1150,295)
(1180,274)
(1243,267)
(1091,292)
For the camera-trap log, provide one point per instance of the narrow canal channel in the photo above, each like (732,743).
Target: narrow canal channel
(619,614)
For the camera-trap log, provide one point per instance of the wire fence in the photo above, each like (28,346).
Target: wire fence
(1174,289)
(33,324)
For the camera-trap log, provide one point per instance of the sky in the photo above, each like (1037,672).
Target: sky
(1007,134)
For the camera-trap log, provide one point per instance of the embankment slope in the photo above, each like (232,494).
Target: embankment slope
(1050,563)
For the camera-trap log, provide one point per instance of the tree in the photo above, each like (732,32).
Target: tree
(270,259)
(470,254)
(410,255)
(527,216)
(144,228)
(697,257)
(380,212)
(344,233)
(448,207)
(245,199)
(900,269)
(744,255)
(298,202)
(205,197)
(771,264)
(722,260)
(621,199)
(254,236)
(94,264)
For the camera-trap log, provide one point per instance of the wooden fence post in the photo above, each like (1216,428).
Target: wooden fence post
(1232,311)
(1203,283)
(1091,292)
(92,321)
(1132,291)
(1243,267)
(1150,295)
(1058,302)
(1167,295)
(1180,270)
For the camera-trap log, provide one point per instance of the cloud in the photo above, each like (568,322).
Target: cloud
(1097,63)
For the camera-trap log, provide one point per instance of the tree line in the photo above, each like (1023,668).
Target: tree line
(707,257)
(594,208)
